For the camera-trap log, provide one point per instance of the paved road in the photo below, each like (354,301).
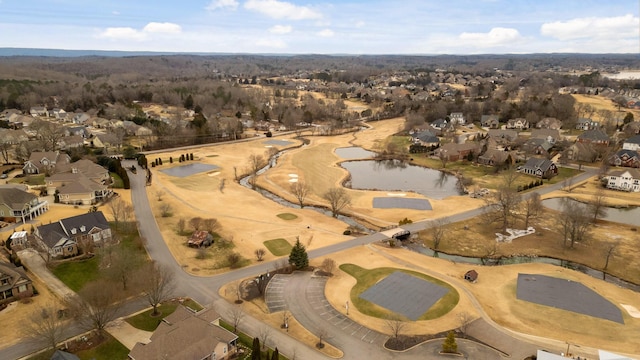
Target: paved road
(205,289)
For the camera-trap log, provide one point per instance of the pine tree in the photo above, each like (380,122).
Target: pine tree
(449,345)
(298,256)
(255,349)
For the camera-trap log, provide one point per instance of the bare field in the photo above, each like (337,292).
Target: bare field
(602,103)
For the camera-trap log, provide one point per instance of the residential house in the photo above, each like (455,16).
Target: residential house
(38,111)
(63,355)
(551,135)
(441,125)
(76,131)
(200,238)
(188,335)
(13,137)
(70,142)
(57,113)
(539,167)
(549,123)
(517,123)
(82,182)
(41,162)
(19,240)
(503,137)
(594,137)
(19,205)
(586,124)
(103,141)
(632,143)
(425,138)
(17,121)
(494,157)
(14,283)
(135,129)
(80,118)
(625,180)
(490,121)
(632,127)
(6,113)
(580,152)
(63,238)
(626,158)
(455,152)
(537,146)
(457,118)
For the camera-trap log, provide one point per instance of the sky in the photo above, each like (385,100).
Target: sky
(325,27)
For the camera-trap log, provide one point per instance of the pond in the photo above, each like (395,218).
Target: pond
(354,152)
(629,216)
(396,175)
(189,169)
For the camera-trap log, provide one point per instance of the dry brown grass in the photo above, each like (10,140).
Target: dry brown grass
(602,103)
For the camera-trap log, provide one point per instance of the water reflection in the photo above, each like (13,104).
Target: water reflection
(629,215)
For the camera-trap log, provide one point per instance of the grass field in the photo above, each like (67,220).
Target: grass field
(316,163)
(110,349)
(117,181)
(144,320)
(287,216)
(369,277)
(75,274)
(247,341)
(278,247)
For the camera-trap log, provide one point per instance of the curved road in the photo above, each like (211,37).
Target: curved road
(205,289)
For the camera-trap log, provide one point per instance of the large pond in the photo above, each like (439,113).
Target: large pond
(395,175)
(189,169)
(629,216)
(354,152)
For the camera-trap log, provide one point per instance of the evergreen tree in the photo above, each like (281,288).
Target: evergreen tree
(449,345)
(255,349)
(275,355)
(188,102)
(298,256)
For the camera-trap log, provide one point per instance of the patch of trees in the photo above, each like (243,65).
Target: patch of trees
(115,166)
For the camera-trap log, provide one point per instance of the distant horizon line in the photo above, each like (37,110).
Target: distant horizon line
(53,52)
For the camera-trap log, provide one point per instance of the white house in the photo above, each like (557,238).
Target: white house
(625,180)
(632,143)
(457,118)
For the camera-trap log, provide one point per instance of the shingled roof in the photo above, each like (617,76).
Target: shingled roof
(15,198)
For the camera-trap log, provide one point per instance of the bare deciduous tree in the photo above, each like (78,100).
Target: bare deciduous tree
(195,223)
(438,232)
(300,190)
(395,325)
(264,334)
(502,203)
(166,210)
(322,335)
(328,266)
(121,211)
(573,222)
(210,224)
(597,206)
(123,263)
(260,254)
(157,283)
(532,206)
(338,199)
(610,251)
(256,162)
(45,327)
(182,224)
(236,315)
(464,319)
(159,195)
(96,305)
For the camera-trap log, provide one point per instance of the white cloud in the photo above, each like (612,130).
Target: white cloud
(495,37)
(129,33)
(122,33)
(115,12)
(164,28)
(282,10)
(222,4)
(280,29)
(592,27)
(326,33)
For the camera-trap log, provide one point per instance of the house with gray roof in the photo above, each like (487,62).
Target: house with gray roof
(594,137)
(188,335)
(632,143)
(625,158)
(41,162)
(490,121)
(517,123)
(551,135)
(586,124)
(539,167)
(537,146)
(549,123)
(19,205)
(624,180)
(425,138)
(14,283)
(80,183)
(65,237)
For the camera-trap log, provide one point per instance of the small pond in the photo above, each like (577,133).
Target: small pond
(354,152)
(189,169)
(629,216)
(395,175)
(277,142)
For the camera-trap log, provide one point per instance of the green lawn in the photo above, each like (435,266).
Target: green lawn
(366,278)
(144,321)
(278,247)
(117,181)
(110,349)
(75,274)
(29,180)
(287,216)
